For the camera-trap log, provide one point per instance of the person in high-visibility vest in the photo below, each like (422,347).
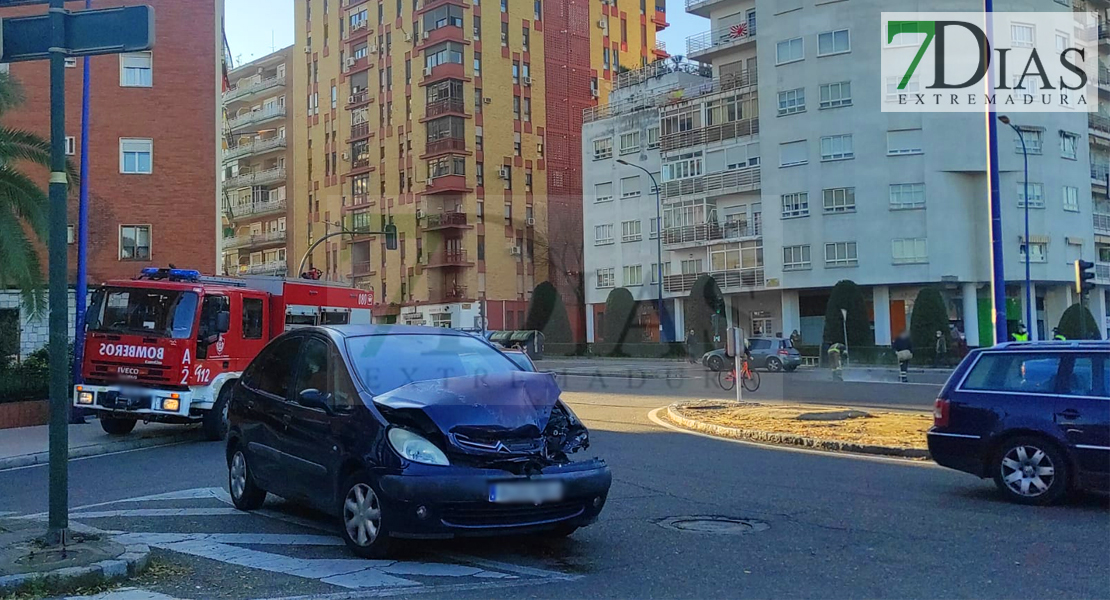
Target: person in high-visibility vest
(1056,335)
(1022,334)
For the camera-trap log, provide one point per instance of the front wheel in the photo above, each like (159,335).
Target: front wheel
(726,379)
(116,425)
(245,493)
(1030,470)
(364,527)
(214,423)
(715,363)
(751,383)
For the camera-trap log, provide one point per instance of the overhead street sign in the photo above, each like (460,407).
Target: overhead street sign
(89,32)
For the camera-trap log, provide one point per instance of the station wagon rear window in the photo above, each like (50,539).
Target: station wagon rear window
(1014,372)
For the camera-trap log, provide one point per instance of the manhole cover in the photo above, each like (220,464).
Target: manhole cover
(712,524)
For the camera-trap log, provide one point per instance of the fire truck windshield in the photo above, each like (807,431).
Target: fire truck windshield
(163,313)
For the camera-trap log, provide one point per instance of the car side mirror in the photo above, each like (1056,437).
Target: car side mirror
(314,398)
(223,321)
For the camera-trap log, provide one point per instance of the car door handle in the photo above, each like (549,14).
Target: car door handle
(1070,414)
(250,404)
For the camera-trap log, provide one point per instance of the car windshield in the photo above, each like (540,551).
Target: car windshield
(387,362)
(150,312)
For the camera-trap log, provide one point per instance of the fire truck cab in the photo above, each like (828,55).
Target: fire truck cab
(167,346)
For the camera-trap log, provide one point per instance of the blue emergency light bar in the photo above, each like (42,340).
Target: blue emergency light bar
(171,274)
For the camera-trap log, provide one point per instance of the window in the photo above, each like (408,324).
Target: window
(134,242)
(447,165)
(792,154)
(71,145)
(527,116)
(631,232)
(516,108)
(273,372)
(833,42)
(653,229)
(477,98)
(603,148)
(907,195)
(789,51)
(504,34)
(1036,194)
(524,39)
(504,5)
(604,278)
(1069,145)
(683,166)
(605,58)
(909,251)
(135,155)
(478,67)
(479,176)
(692,266)
(839,200)
(252,318)
(537,9)
(1070,198)
(795,205)
(792,101)
(603,234)
(447,52)
(516,143)
(1021,36)
(906,141)
(634,275)
(630,142)
(653,137)
(136,69)
(443,16)
(837,147)
(796,258)
(630,187)
(655,272)
(836,94)
(841,254)
(1038,252)
(1034,140)
(603,192)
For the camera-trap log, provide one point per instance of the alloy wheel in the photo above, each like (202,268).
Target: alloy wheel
(238,474)
(362,514)
(1028,471)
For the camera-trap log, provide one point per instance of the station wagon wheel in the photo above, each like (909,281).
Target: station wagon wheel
(1030,470)
(364,529)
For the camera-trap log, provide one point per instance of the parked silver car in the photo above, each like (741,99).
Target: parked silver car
(773,353)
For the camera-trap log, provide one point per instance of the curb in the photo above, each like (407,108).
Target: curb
(41,458)
(133,561)
(633,373)
(673,415)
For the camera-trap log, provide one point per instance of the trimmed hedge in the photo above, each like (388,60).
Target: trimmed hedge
(636,350)
(28,380)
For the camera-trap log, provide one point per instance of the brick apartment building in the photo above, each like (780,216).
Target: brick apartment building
(459,122)
(153,146)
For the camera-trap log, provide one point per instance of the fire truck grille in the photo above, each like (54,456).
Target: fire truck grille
(111,370)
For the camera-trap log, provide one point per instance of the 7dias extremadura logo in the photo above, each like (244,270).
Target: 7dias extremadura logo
(1020,62)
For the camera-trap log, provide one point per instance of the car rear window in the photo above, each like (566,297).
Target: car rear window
(1014,372)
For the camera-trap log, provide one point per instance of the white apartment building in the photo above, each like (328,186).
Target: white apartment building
(781,198)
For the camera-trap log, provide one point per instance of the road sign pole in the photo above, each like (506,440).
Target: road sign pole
(58,522)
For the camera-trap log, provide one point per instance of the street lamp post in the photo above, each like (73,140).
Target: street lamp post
(658,245)
(998,271)
(1028,279)
(844,323)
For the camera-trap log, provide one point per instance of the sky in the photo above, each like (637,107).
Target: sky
(257,27)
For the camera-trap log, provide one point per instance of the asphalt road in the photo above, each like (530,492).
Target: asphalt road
(823,526)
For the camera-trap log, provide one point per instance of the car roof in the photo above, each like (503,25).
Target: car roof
(1051,345)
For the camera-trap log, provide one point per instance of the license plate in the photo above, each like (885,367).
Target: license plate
(527,492)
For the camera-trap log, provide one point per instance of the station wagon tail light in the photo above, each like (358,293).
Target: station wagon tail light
(940,413)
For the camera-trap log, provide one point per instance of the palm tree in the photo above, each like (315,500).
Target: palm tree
(23,204)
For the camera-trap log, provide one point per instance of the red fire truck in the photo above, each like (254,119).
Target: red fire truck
(166,346)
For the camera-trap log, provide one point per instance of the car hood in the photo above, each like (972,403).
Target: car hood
(516,403)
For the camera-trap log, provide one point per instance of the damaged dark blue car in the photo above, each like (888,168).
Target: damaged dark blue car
(409,432)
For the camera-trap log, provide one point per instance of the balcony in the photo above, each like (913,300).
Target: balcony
(712,133)
(258,209)
(363,268)
(701,7)
(735,181)
(269,176)
(254,87)
(1102,272)
(452,258)
(447,220)
(274,267)
(443,71)
(701,45)
(1099,124)
(354,65)
(449,293)
(447,106)
(704,233)
(258,239)
(659,17)
(255,147)
(359,98)
(359,30)
(660,50)
(359,201)
(256,117)
(1099,173)
(360,166)
(733,280)
(1101,222)
(443,146)
(360,131)
(446,184)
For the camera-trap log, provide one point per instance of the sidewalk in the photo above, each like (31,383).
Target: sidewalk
(25,446)
(670,368)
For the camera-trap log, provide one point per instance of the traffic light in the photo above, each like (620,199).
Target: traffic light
(391,237)
(1084,275)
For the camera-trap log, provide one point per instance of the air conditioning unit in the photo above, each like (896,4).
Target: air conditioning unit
(603,24)
(594,92)
(531,221)
(408,37)
(539,149)
(372,48)
(346,156)
(351,62)
(419,213)
(430,181)
(425,35)
(487,100)
(514,251)
(503,172)
(350,99)
(528,81)
(427,71)
(308,49)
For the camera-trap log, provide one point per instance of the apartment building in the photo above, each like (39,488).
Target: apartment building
(257,168)
(153,147)
(460,123)
(891,201)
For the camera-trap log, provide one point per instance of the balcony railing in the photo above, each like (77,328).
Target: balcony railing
(447,219)
(360,163)
(273,267)
(1099,123)
(448,259)
(447,105)
(256,116)
(445,145)
(734,181)
(1103,76)
(449,294)
(712,133)
(1101,222)
(664,97)
(709,232)
(254,147)
(1102,272)
(733,279)
(253,209)
(722,37)
(241,241)
(360,130)
(274,175)
(1099,173)
(247,89)
(661,46)
(359,97)
(362,268)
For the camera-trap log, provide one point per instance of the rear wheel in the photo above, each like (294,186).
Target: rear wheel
(245,493)
(117,425)
(715,363)
(215,423)
(726,380)
(751,383)
(774,365)
(1030,470)
(364,525)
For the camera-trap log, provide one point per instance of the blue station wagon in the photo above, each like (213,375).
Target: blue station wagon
(1035,417)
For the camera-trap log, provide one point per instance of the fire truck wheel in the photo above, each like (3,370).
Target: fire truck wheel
(215,420)
(117,426)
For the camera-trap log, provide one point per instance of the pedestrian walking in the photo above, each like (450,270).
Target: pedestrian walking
(1056,335)
(691,346)
(837,352)
(795,339)
(940,351)
(1022,334)
(903,350)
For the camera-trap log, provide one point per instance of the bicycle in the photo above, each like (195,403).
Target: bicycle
(748,378)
